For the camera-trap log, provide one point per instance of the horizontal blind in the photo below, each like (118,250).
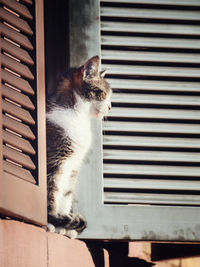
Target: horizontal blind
(18,93)
(151,137)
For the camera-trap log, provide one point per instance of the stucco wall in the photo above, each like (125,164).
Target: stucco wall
(24,245)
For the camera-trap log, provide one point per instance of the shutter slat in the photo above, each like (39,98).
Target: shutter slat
(149,71)
(134,27)
(151,184)
(156,99)
(15,21)
(154,127)
(17,97)
(157,156)
(150,113)
(16,67)
(16,81)
(18,127)
(139,198)
(19,172)
(18,8)
(18,112)
(143,56)
(15,36)
(148,85)
(16,51)
(157,2)
(153,170)
(18,142)
(151,142)
(142,13)
(30,2)
(149,42)
(18,157)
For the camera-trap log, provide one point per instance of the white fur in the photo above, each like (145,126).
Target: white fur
(65,183)
(76,123)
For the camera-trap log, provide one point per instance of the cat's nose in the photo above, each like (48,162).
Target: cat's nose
(109,107)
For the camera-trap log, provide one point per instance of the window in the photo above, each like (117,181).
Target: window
(23,140)
(145,185)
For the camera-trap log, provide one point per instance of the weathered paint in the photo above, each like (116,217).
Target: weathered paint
(136,221)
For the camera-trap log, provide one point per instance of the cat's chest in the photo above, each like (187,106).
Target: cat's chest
(76,126)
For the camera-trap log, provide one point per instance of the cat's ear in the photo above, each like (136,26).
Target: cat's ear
(103,73)
(91,68)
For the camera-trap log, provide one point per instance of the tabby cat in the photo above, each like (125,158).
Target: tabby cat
(82,93)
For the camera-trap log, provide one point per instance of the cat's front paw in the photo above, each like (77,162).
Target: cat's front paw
(51,228)
(78,223)
(69,233)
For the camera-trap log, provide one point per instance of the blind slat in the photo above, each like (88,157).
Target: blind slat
(157,2)
(156,99)
(157,156)
(154,127)
(18,112)
(151,184)
(17,82)
(15,21)
(153,28)
(30,2)
(150,113)
(16,67)
(138,13)
(18,157)
(161,199)
(151,142)
(18,127)
(17,97)
(16,36)
(18,142)
(19,172)
(18,8)
(152,170)
(149,85)
(149,71)
(16,51)
(149,42)
(144,56)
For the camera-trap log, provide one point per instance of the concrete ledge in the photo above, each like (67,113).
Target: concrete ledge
(22,245)
(25,245)
(63,252)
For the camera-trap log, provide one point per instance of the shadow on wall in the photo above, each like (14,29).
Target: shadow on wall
(118,254)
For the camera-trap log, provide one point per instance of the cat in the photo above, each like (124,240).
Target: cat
(82,93)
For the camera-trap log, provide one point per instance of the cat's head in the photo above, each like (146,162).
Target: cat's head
(94,88)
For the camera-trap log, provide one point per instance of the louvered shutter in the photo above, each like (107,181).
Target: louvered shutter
(23,179)
(151,142)
(142,181)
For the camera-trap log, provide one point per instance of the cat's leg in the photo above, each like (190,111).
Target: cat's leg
(61,217)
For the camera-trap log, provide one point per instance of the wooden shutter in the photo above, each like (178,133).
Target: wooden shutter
(23,177)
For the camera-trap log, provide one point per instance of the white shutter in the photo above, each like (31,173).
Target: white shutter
(151,137)
(142,182)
